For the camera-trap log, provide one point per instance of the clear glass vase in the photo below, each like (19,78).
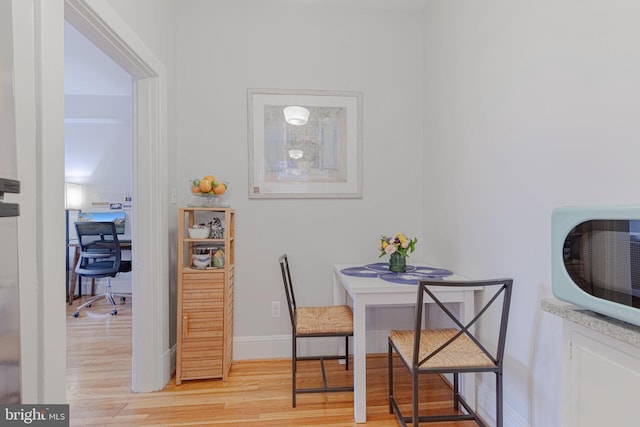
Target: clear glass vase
(397,263)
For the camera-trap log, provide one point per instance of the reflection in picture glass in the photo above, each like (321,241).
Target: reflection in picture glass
(314,152)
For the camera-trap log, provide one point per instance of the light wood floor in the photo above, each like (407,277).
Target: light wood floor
(258,393)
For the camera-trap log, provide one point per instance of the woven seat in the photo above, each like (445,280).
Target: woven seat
(452,350)
(336,319)
(462,352)
(314,322)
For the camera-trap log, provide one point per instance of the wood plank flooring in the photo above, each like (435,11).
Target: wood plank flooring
(258,393)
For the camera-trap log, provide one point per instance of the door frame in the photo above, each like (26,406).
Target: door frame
(151,355)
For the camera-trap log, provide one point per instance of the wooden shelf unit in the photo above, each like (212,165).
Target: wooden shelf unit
(205,300)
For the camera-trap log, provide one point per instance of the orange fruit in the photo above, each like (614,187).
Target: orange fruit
(210,178)
(221,188)
(205,185)
(195,189)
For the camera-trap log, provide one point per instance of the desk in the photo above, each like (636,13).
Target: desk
(372,291)
(125,245)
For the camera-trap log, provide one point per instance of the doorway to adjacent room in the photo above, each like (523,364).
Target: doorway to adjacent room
(98,182)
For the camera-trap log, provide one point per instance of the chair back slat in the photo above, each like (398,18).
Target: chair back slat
(288,288)
(499,287)
(506,304)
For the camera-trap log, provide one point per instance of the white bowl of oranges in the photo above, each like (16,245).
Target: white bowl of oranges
(210,189)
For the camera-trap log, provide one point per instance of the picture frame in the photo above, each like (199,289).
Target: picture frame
(320,158)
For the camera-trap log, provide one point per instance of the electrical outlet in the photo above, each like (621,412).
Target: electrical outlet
(275,309)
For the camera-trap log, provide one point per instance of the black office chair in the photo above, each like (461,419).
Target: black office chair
(313,322)
(453,350)
(100,257)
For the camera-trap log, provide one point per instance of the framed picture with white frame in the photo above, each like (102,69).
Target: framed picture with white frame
(304,143)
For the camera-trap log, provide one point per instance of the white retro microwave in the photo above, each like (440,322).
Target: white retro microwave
(596,259)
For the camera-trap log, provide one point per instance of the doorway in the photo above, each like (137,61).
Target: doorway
(98,179)
(151,355)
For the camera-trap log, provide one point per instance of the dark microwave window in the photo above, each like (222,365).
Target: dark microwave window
(603,259)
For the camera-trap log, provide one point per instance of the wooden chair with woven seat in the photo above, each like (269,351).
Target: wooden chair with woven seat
(315,322)
(453,350)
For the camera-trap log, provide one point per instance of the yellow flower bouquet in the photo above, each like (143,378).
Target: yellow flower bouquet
(399,243)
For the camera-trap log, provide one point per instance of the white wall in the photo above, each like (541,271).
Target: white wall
(226,47)
(528,106)
(154,22)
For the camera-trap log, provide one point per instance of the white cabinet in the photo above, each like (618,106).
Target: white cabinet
(601,377)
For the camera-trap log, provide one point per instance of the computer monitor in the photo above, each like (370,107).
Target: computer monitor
(119,218)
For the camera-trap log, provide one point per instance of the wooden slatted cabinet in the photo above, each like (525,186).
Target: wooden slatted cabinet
(205,299)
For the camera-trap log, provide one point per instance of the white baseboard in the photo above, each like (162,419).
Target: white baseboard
(486,403)
(279,346)
(261,347)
